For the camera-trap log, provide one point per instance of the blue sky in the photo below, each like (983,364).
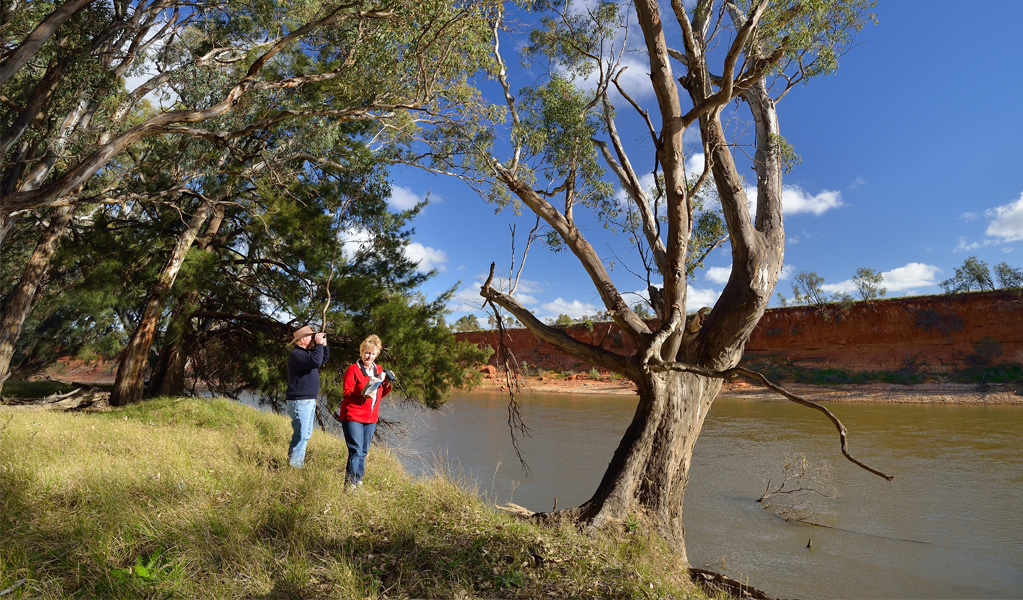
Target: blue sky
(911,163)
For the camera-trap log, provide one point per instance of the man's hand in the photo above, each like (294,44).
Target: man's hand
(320,339)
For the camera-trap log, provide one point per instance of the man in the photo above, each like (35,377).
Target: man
(304,364)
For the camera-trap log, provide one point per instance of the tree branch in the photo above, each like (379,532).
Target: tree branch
(764,381)
(555,337)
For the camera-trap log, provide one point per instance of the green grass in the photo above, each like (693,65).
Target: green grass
(193,498)
(782,371)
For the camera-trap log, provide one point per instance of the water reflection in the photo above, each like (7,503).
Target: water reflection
(949,526)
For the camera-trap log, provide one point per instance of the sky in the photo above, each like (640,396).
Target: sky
(911,163)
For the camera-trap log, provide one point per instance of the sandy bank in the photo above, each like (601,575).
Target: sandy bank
(927,393)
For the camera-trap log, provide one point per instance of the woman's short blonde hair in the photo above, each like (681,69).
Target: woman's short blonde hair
(372,343)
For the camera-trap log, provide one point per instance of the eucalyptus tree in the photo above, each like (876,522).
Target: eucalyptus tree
(711,64)
(299,58)
(973,274)
(1009,278)
(869,284)
(70,118)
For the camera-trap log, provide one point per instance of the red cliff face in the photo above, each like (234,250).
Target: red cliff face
(930,334)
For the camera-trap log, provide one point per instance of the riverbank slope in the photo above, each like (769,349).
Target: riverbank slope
(187,497)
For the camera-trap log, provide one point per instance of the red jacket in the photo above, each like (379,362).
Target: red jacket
(355,406)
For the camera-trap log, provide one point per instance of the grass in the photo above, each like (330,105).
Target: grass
(193,498)
(782,371)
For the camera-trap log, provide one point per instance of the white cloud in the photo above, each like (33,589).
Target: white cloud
(795,200)
(1006,221)
(355,240)
(696,163)
(787,272)
(574,309)
(403,198)
(912,275)
(847,286)
(635,80)
(967,246)
(426,257)
(467,300)
(524,286)
(718,275)
(969,217)
(857,183)
(697,298)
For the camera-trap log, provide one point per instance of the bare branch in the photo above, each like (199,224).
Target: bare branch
(763,380)
(556,337)
(630,181)
(631,324)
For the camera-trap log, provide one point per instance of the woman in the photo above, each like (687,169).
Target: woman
(365,384)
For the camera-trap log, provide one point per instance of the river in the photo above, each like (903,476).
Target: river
(950,525)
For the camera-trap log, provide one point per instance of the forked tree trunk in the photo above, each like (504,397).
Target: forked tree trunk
(169,374)
(25,295)
(650,469)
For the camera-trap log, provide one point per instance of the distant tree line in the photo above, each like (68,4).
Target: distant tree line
(973,275)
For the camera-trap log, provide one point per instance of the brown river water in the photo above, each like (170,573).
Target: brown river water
(950,525)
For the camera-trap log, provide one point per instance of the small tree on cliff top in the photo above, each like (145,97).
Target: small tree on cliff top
(704,63)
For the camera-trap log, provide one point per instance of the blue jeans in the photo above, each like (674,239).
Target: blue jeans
(357,437)
(302,413)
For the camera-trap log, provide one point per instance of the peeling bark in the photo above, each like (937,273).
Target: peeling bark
(128,386)
(27,292)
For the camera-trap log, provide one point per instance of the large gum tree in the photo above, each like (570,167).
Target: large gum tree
(76,107)
(711,64)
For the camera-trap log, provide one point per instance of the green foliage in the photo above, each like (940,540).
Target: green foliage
(780,370)
(423,352)
(789,158)
(869,284)
(564,320)
(992,373)
(813,34)
(558,128)
(35,389)
(467,323)
(1009,278)
(974,274)
(642,311)
(806,289)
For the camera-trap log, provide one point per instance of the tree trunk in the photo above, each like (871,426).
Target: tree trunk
(169,374)
(27,292)
(650,469)
(168,377)
(130,382)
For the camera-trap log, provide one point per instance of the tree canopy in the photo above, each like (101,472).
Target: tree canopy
(222,172)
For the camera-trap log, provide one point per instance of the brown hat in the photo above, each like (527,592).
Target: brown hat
(302,332)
